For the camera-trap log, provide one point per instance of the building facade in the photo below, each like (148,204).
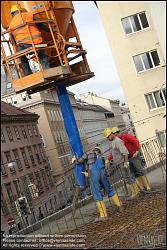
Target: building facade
(110,105)
(51,127)
(129,126)
(24,162)
(136,34)
(94,119)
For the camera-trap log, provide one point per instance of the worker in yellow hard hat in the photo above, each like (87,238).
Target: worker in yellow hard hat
(98,179)
(133,146)
(21,36)
(120,159)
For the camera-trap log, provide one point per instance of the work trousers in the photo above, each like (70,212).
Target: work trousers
(24,61)
(136,166)
(99,180)
(125,173)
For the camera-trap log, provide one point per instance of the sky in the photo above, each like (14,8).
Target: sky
(106,81)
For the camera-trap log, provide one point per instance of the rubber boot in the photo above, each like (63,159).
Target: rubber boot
(102,210)
(145,183)
(140,183)
(137,190)
(134,190)
(117,202)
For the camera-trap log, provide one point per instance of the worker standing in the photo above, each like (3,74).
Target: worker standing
(95,169)
(120,160)
(133,146)
(21,36)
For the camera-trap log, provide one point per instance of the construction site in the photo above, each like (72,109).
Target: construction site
(59,60)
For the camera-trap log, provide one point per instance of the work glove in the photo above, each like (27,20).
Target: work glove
(107,161)
(85,173)
(135,154)
(73,159)
(126,164)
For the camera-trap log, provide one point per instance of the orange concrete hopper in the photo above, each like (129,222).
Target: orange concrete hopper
(67,59)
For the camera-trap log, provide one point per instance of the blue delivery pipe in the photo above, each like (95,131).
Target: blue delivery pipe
(72,132)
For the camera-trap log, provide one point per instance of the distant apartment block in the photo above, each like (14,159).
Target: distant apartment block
(24,162)
(109,105)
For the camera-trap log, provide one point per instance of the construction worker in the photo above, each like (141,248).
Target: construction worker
(95,169)
(21,36)
(133,146)
(120,160)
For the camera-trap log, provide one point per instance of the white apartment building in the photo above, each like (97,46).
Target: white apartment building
(136,34)
(110,105)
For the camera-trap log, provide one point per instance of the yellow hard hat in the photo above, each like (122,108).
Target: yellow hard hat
(15,8)
(107,132)
(115,130)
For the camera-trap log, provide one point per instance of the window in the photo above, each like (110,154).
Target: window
(17,133)
(39,183)
(31,156)
(10,194)
(25,97)
(3,169)
(162,138)
(43,141)
(42,152)
(146,61)
(12,100)
(9,159)
(156,99)
(35,130)
(10,136)
(17,187)
(2,137)
(49,175)
(3,204)
(16,155)
(37,154)
(44,178)
(135,23)
(23,132)
(24,157)
(29,131)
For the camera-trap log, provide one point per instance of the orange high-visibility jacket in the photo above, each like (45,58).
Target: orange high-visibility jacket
(21,35)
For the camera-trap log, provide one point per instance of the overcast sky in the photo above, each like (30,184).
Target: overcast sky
(106,82)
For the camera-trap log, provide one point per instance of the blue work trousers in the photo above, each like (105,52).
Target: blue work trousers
(24,61)
(98,180)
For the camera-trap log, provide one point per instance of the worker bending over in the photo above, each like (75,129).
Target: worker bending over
(95,169)
(133,146)
(21,36)
(120,160)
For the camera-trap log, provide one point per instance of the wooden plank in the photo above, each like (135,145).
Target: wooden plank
(56,71)
(72,44)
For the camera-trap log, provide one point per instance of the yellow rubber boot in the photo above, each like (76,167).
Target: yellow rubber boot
(102,209)
(140,183)
(116,200)
(136,188)
(145,183)
(133,190)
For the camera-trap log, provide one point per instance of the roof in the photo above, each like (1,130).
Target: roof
(86,106)
(7,110)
